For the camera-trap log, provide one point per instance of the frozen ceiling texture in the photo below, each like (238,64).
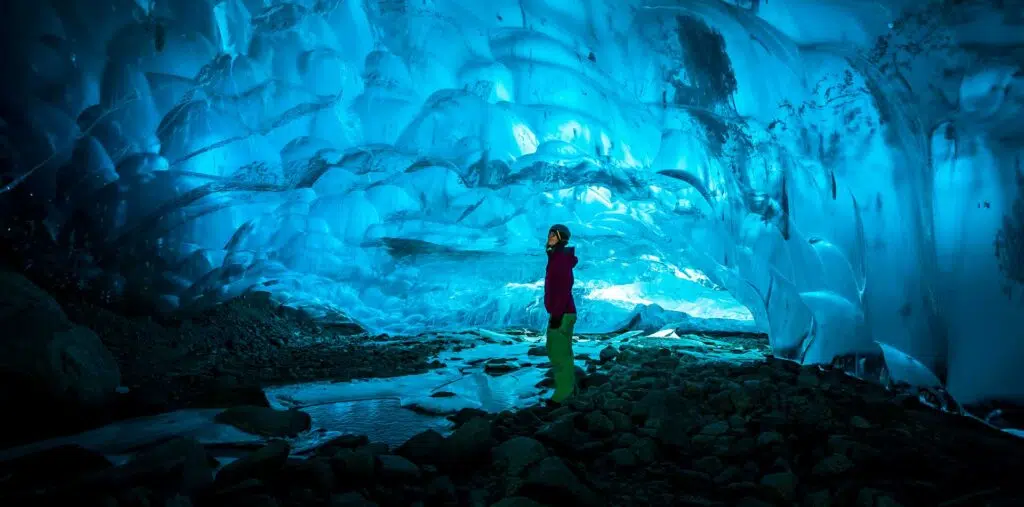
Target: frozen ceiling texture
(843,173)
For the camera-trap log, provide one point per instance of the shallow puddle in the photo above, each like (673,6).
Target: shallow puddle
(384,421)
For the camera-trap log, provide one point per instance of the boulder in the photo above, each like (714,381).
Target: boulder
(180,465)
(49,468)
(552,481)
(423,447)
(42,351)
(517,454)
(261,464)
(266,421)
(469,445)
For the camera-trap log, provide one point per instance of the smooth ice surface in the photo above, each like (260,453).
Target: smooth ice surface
(840,172)
(463,377)
(465,384)
(383,420)
(127,436)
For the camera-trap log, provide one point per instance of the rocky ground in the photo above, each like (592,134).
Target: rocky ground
(653,426)
(244,345)
(221,358)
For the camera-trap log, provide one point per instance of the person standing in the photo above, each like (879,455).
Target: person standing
(558,301)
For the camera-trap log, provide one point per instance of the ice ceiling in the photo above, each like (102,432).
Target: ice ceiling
(850,173)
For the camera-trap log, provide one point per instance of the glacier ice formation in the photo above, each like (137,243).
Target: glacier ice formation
(849,173)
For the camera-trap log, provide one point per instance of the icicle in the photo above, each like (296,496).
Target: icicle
(235,26)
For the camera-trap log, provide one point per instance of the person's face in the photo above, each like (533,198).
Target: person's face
(552,238)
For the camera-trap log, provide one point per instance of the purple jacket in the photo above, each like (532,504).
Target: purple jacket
(558,281)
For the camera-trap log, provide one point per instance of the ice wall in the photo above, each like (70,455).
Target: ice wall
(397,162)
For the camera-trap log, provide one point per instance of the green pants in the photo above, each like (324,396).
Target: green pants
(559,344)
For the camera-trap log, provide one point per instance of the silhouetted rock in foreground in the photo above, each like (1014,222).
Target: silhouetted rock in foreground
(45,358)
(69,356)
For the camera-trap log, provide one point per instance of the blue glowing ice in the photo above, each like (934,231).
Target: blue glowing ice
(398,162)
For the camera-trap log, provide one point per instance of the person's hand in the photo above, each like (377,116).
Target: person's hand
(555,322)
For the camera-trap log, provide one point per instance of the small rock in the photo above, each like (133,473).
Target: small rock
(833,465)
(552,482)
(589,380)
(517,501)
(178,501)
(258,465)
(495,368)
(56,465)
(469,444)
(736,422)
(870,497)
(866,497)
(316,474)
(230,494)
(623,458)
(621,421)
(611,402)
(424,447)
(783,485)
(884,500)
(659,405)
(709,464)
(715,429)
(377,448)
(859,422)
(808,379)
(539,350)
(180,463)
(818,499)
(643,383)
(266,421)
(769,438)
(730,475)
(608,353)
(344,442)
(750,501)
(397,468)
(599,424)
(561,431)
(303,496)
(625,440)
(646,450)
(441,491)
(466,415)
(694,480)
(354,466)
(477,498)
(351,499)
(560,412)
(518,453)
(256,500)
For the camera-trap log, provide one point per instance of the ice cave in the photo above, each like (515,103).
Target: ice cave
(292,252)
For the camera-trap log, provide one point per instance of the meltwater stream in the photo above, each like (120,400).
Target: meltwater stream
(388,410)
